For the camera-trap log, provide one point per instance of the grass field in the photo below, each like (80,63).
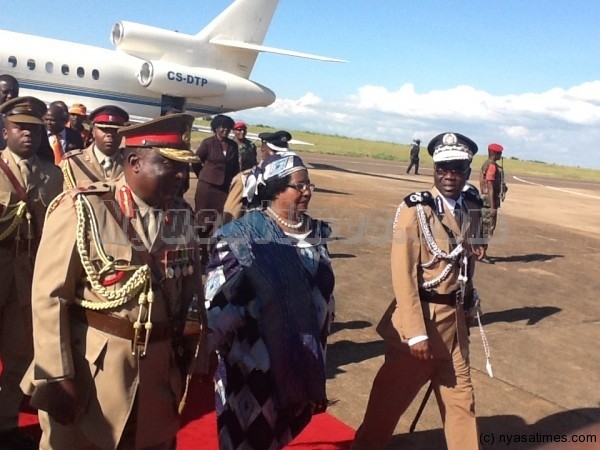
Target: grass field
(340,145)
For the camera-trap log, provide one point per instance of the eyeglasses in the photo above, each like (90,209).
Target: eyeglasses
(301,187)
(454,171)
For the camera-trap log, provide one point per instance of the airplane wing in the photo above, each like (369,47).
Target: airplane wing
(263,48)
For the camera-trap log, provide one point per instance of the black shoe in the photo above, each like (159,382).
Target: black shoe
(15,439)
(486,260)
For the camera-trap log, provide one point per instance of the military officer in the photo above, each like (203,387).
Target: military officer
(102,160)
(27,186)
(425,326)
(118,269)
(493,189)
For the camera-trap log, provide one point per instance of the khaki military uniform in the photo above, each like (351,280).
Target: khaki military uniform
(128,399)
(430,312)
(81,168)
(234,207)
(489,221)
(17,255)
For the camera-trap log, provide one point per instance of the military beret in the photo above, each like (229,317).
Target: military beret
(447,147)
(24,110)
(495,148)
(239,125)
(168,135)
(278,141)
(109,116)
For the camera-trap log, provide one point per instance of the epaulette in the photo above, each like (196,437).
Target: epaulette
(69,154)
(416,198)
(94,188)
(473,196)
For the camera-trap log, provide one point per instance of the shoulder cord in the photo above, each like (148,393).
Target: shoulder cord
(68,175)
(439,254)
(16,213)
(139,281)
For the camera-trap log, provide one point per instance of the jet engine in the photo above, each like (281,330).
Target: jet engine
(217,86)
(148,42)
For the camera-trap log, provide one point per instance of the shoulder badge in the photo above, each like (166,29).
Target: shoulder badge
(72,153)
(416,198)
(93,189)
(55,202)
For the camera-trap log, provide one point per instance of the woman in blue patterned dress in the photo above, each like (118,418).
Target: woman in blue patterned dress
(269,286)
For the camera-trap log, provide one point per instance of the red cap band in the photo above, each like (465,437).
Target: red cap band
(155,140)
(108,118)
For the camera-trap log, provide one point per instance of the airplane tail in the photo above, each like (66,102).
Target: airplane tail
(237,34)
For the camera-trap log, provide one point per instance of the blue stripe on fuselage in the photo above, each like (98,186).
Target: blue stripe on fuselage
(108,96)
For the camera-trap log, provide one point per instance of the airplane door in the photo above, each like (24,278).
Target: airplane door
(170,105)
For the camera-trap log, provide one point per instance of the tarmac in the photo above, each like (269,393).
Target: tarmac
(540,301)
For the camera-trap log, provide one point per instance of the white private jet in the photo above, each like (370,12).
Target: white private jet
(152,69)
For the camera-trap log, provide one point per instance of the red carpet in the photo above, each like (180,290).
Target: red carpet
(199,424)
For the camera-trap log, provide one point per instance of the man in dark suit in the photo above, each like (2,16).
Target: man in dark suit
(62,139)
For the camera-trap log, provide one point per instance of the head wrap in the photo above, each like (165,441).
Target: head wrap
(277,166)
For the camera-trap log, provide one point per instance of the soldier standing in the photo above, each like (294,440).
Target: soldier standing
(27,186)
(102,160)
(493,189)
(117,271)
(425,327)
(414,156)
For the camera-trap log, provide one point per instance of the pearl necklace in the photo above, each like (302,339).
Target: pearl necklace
(285,223)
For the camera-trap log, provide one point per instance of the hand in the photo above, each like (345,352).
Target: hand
(479,251)
(493,212)
(62,404)
(420,350)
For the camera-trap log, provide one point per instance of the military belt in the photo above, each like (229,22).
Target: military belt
(449,299)
(122,328)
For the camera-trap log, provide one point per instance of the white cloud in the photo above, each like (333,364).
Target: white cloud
(557,126)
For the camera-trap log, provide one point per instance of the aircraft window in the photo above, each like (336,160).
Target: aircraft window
(65,69)
(80,72)
(95,74)
(12,61)
(49,67)
(31,64)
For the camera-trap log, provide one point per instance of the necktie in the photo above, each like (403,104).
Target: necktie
(56,148)
(152,225)
(458,213)
(25,169)
(107,165)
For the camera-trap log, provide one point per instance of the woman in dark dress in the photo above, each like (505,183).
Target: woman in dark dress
(219,163)
(270,289)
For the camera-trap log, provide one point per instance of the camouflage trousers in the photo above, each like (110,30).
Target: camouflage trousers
(488,221)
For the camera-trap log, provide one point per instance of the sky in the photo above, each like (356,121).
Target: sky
(523,73)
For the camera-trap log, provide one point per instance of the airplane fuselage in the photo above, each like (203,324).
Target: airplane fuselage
(52,69)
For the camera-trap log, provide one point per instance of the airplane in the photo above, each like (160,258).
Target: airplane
(153,70)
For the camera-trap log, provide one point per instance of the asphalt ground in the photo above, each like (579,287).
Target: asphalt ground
(540,302)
